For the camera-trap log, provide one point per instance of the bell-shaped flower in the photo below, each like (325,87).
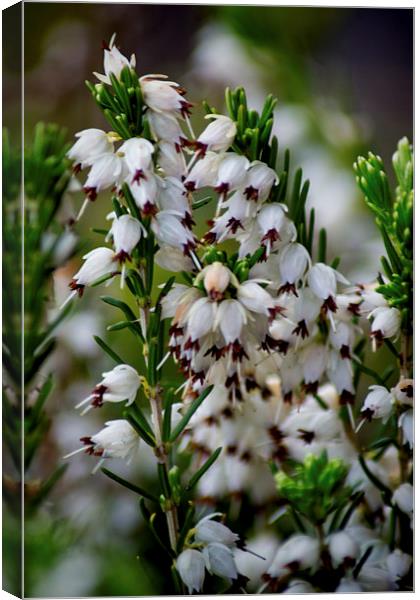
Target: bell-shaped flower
(322,280)
(270,220)
(107,170)
(91,144)
(201,318)
(294,259)
(299,586)
(342,338)
(216,279)
(190,565)
(232,173)
(162,95)
(172,198)
(209,531)
(406,423)
(343,549)
(118,385)
(218,136)
(377,404)
(169,230)
(403,497)
(219,561)
(173,259)
(126,232)
(298,553)
(398,563)
(256,299)
(98,263)
(348,585)
(386,323)
(116,440)
(313,359)
(203,173)
(259,182)
(171,160)
(114,62)
(145,192)
(230,319)
(137,153)
(165,127)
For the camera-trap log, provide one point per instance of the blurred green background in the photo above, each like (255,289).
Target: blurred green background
(344,79)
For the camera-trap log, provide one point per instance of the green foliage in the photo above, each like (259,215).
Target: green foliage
(315,488)
(121,103)
(394,218)
(46,178)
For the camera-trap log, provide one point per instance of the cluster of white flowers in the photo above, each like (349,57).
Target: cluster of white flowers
(270,329)
(210,546)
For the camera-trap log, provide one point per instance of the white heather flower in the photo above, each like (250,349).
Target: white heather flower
(403,497)
(203,173)
(219,560)
(255,298)
(114,62)
(173,259)
(216,279)
(371,300)
(98,262)
(340,373)
(171,160)
(386,322)
(322,280)
(165,127)
(190,565)
(137,153)
(299,552)
(259,182)
(118,385)
(343,549)
(209,531)
(232,172)
(107,170)
(342,338)
(377,404)
(218,135)
(145,192)
(91,144)
(294,259)
(270,220)
(230,318)
(116,440)
(403,392)
(126,232)
(406,422)
(398,563)
(200,318)
(169,230)
(163,96)
(313,359)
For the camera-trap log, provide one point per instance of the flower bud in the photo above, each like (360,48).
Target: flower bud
(216,279)
(403,392)
(190,565)
(114,62)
